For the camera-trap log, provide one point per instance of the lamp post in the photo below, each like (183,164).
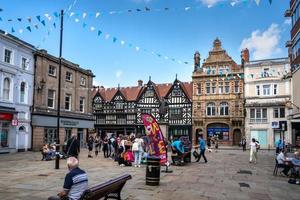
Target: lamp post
(59,90)
(282,131)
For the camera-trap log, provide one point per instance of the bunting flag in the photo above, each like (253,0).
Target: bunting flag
(99,33)
(28,28)
(43,22)
(39,18)
(19,19)
(13,30)
(114,39)
(155,139)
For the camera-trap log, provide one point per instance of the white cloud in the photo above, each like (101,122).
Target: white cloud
(288,21)
(119,73)
(263,45)
(210,3)
(96,83)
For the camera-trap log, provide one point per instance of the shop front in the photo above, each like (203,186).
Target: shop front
(7,131)
(45,130)
(218,130)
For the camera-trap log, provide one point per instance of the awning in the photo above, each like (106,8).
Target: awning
(7,110)
(295,120)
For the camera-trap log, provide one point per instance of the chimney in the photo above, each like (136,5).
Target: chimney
(140,83)
(245,56)
(196,61)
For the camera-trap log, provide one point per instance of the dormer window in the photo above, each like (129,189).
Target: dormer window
(149,93)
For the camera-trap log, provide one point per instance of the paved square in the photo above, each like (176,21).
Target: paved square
(227,175)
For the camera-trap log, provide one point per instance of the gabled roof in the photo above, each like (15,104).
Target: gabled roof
(131,93)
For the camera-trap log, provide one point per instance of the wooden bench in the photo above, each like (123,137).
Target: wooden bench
(108,190)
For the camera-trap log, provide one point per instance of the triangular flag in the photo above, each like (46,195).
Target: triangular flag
(97,14)
(19,19)
(36,26)
(1,9)
(84,25)
(114,39)
(56,14)
(54,24)
(43,22)
(38,17)
(1,19)
(29,19)
(147,9)
(130,45)
(186,63)
(257,2)
(99,33)
(129,10)
(10,20)
(12,30)
(28,28)
(138,10)
(270,1)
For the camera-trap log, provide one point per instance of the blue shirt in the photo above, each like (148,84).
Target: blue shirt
(76,182)
(178,145)
(202,144)
(296,161)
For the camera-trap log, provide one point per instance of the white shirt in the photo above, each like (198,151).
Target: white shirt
(253,146)
(280,158)
(140,142)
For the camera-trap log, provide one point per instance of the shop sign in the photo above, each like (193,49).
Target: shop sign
(14,122)
(6,116)
(275,125)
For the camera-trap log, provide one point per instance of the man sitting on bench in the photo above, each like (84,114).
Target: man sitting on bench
(177,148)
(76,182)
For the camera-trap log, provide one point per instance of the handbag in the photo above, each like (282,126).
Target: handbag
(195,154)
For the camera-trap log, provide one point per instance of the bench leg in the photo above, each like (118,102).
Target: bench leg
(115,195)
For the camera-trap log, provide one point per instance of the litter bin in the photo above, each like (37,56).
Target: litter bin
(153,171)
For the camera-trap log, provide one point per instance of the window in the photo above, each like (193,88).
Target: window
(275,89)
(227,87)
(24,63)
(22,92)
(5,126)
(221,70)
(145,110)
(199,89)
(236,87)
(208,88)
(211,109)
(6,89)
(82,81)
(52,70)
(279,112)
(51,98)
(257,90)
(149,93)
(50,135)
(176,92)
(221,88)
(266,72)
(7,56)
(22,115)
(175,113)
(69,76)
(22,129)
(68,133)
(258,115)
(224,109)
(119,106)
(213,70)
(266,90)
(213,88)
(81,104)
(68,101)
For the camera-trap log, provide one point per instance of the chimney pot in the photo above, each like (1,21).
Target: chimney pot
(140,83)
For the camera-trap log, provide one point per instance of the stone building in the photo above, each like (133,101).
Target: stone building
(294,53)
(267,93)
(16,87)
(76,97)
(218,97)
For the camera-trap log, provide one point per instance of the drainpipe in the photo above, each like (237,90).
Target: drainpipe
(33,102)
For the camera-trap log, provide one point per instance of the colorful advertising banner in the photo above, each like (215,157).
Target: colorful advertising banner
(156,143)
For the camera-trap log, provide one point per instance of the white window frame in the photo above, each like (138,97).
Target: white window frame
(236,87)
(207,88)
(221,87)
(258,115)
(224,106)
(199,88)
(9,89)
(227,86)
(213,88)
(71,76)
(11,61)
(257,90)
(26,63)
(25,93)
(275,89)
(53,99)
(81,105)
(70,102)
(55,71)
(211,106)
(82,81)
(265,93)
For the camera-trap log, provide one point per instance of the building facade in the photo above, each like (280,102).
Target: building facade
(294,54)
(16,88)
(119,110)
(218,97)
(267,93)
(75,100)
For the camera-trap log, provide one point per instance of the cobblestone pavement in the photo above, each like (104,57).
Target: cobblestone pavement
(24,176)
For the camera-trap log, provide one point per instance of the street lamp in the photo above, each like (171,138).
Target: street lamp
(282,131)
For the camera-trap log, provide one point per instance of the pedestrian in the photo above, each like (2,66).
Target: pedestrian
(216,142)
(76,182)
(90,145)
(202,147)
(105,147)
(112,145)
(209,144)
(253,151)
(244,143)
(73,147)
(278,145)
(97,145)
(137,148)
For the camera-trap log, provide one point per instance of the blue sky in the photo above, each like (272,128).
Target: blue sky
(187,26)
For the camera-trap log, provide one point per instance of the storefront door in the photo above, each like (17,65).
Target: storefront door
(4,130)
(261,136)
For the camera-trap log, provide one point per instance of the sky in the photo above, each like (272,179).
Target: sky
(159,42)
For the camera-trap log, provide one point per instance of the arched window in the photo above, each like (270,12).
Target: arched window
(22,129)
(6,88)
(224,109)
(211,109)
(22,92)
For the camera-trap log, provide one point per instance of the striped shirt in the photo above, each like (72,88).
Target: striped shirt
(76,182)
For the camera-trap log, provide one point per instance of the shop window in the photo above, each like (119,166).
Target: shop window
(22,92)
(4,134)
(50,135)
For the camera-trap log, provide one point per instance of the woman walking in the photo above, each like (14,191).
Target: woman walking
(137,148)
(105,147)
(97,145)
(253,151)
(90,144)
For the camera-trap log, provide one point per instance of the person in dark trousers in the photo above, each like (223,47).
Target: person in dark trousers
(73,147)
(105,147)
(244,143)
(202,147)
(90,144)
(97,145)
